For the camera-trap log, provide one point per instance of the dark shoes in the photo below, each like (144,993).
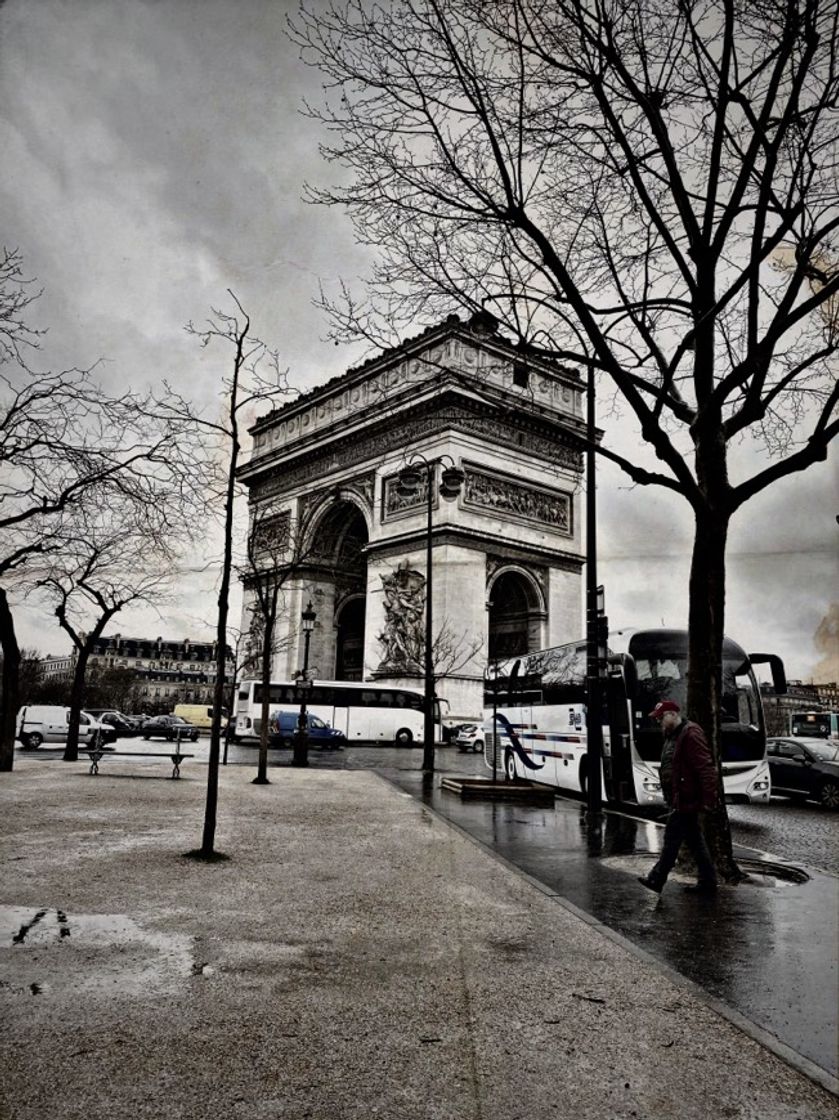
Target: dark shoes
(650,884)
(702,888)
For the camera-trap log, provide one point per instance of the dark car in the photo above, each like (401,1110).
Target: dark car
(169,727)
(804,769)
(123,726)
(283,726)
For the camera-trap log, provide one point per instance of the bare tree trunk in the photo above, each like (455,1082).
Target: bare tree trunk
(207,850)
(705,639)
(262,769)
(71,747)
(11,684)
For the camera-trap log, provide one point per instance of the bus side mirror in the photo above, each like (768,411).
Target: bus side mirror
(623,665)
(776,665)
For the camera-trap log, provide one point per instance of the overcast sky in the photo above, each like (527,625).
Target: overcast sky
(153,156)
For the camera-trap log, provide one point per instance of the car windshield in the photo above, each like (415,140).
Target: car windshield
(825,752)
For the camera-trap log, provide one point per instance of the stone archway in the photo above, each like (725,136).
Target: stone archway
(340,535)
(516,613)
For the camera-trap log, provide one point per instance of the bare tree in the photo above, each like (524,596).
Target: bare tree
(647,190)
(255,379)
(117,552)
(279,550)
(62,438)
(17,292)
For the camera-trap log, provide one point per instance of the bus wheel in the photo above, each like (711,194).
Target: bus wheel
(583,779)
(403,737)
(510,765)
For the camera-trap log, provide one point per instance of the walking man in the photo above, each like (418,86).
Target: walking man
(689,786)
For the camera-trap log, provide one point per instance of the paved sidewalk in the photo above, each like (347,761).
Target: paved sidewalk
(764,952)
(356,956)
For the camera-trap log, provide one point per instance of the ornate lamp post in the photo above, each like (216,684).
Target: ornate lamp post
(595,621)
(410,481)
(301,738)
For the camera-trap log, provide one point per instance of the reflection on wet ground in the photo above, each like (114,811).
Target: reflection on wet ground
(766,949)
(748,946)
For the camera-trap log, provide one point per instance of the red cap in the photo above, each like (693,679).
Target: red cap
(664,706)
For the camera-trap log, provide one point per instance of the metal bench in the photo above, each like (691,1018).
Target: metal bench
(96,754)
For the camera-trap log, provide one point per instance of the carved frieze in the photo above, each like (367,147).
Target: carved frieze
(394,503)
(271,534)
(508,498)
(358,449)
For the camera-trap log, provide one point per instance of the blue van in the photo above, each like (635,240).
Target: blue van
(283,724)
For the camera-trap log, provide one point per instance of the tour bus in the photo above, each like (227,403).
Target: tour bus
(537,704)
(815,725)
(366,712)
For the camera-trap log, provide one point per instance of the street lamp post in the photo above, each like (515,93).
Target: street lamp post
(409,483)
(301,738)
(594,726)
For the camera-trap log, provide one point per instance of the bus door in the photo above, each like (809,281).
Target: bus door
(618,776)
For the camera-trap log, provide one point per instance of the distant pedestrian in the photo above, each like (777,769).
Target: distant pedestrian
(689,786)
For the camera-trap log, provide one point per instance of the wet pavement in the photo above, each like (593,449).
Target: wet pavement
(766,949)
(358,952)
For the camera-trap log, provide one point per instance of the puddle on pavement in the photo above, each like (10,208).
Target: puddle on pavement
(44,949)
(769,875)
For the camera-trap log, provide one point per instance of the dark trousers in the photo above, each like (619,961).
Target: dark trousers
(683,828)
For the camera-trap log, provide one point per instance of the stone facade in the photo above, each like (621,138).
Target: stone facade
(506,551)
(167,670)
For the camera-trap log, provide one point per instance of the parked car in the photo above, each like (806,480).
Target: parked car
(169,727)
(804,769)
(469,737)
(122,725)
(49,723)
(282,726)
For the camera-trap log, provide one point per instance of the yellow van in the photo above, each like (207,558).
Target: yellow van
(199,715)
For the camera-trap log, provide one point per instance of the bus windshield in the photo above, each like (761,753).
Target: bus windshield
(814,724)
(661,667)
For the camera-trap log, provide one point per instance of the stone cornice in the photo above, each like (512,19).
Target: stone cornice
(484,367)
(543,438)
(438,342)
(480,541)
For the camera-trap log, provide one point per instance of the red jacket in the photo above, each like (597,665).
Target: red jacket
(694,775)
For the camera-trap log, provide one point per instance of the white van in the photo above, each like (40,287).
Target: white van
(199,715)
(48,723)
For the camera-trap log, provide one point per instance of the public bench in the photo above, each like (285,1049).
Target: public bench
(96,754)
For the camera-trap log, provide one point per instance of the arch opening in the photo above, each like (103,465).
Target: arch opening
(340,540)
(515,616)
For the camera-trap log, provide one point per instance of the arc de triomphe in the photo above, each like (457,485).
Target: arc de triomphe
(506,552)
